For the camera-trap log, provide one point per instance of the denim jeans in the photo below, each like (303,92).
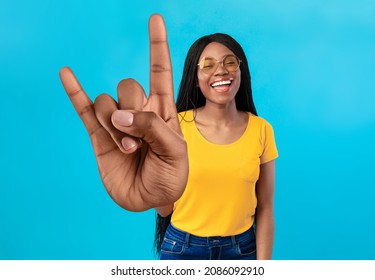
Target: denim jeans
(180,245)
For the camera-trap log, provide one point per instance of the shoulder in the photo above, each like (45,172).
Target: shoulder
(259,122)
(261,127)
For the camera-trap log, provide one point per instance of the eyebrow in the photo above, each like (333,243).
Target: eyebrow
(207,56)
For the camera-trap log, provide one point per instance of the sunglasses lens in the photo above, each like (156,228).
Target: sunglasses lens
(231,63)
(207,65)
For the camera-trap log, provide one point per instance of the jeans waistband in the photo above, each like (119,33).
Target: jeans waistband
(188,238)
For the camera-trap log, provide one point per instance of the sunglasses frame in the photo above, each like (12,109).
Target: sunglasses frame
(218,62)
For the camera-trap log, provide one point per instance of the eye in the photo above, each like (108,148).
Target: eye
(207,66)
(231,63)
(230,60)
(207,63)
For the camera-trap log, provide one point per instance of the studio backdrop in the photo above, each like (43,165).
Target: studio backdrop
(312,66)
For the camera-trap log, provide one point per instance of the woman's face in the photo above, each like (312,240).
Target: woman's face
(221,86)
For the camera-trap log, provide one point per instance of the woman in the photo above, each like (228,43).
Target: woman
(231,156)
(144,160)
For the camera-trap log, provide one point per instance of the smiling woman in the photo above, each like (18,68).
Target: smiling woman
(214,79)
(231,155)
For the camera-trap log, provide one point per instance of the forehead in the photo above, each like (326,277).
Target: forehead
(215,50)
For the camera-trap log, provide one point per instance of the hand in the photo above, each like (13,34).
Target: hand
(138,144)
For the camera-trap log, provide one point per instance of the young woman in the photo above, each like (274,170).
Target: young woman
(231,156)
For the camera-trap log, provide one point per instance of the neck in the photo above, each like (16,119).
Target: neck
(218,115)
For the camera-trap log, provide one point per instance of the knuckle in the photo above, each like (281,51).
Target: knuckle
(74,92)
(126,82)
(85,109)
(150,120)
(160,40)
(144,125)
(159,68)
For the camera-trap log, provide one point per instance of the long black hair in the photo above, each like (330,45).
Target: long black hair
(191,97)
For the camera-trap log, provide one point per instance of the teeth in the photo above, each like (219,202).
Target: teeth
(221,83)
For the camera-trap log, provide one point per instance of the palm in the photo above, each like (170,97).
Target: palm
(154,174)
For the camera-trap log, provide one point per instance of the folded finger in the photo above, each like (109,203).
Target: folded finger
(131,95)
(104,106)
(152,129)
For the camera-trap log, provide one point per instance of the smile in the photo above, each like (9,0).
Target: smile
(222,83)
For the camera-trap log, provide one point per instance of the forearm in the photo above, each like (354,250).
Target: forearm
(265,227)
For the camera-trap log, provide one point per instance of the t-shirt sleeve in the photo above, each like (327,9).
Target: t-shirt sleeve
(269,145)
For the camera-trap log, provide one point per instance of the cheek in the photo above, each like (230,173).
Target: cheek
(202,80)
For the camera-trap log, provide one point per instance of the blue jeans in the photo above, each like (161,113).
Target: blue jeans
(180,245)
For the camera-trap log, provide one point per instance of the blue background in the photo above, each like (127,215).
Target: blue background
(313,70)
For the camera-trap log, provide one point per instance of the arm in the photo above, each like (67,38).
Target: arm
(264,216)
(164,211)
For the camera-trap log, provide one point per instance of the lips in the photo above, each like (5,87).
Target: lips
(226,82)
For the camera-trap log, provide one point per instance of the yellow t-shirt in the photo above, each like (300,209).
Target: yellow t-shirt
(220,198)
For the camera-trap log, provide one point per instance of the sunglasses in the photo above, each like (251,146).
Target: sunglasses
(209,65)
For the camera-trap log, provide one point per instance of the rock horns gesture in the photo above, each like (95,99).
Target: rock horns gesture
(137,141)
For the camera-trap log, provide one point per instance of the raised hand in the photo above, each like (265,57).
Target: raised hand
(138,144)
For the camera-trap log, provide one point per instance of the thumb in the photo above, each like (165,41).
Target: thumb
(152,129)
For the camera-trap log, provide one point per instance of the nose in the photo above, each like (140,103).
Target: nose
(221,70)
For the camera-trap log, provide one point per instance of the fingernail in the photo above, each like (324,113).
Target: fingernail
(128,143)
(123,118)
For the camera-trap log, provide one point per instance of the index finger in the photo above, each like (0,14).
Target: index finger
(81,102)
(161,80)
